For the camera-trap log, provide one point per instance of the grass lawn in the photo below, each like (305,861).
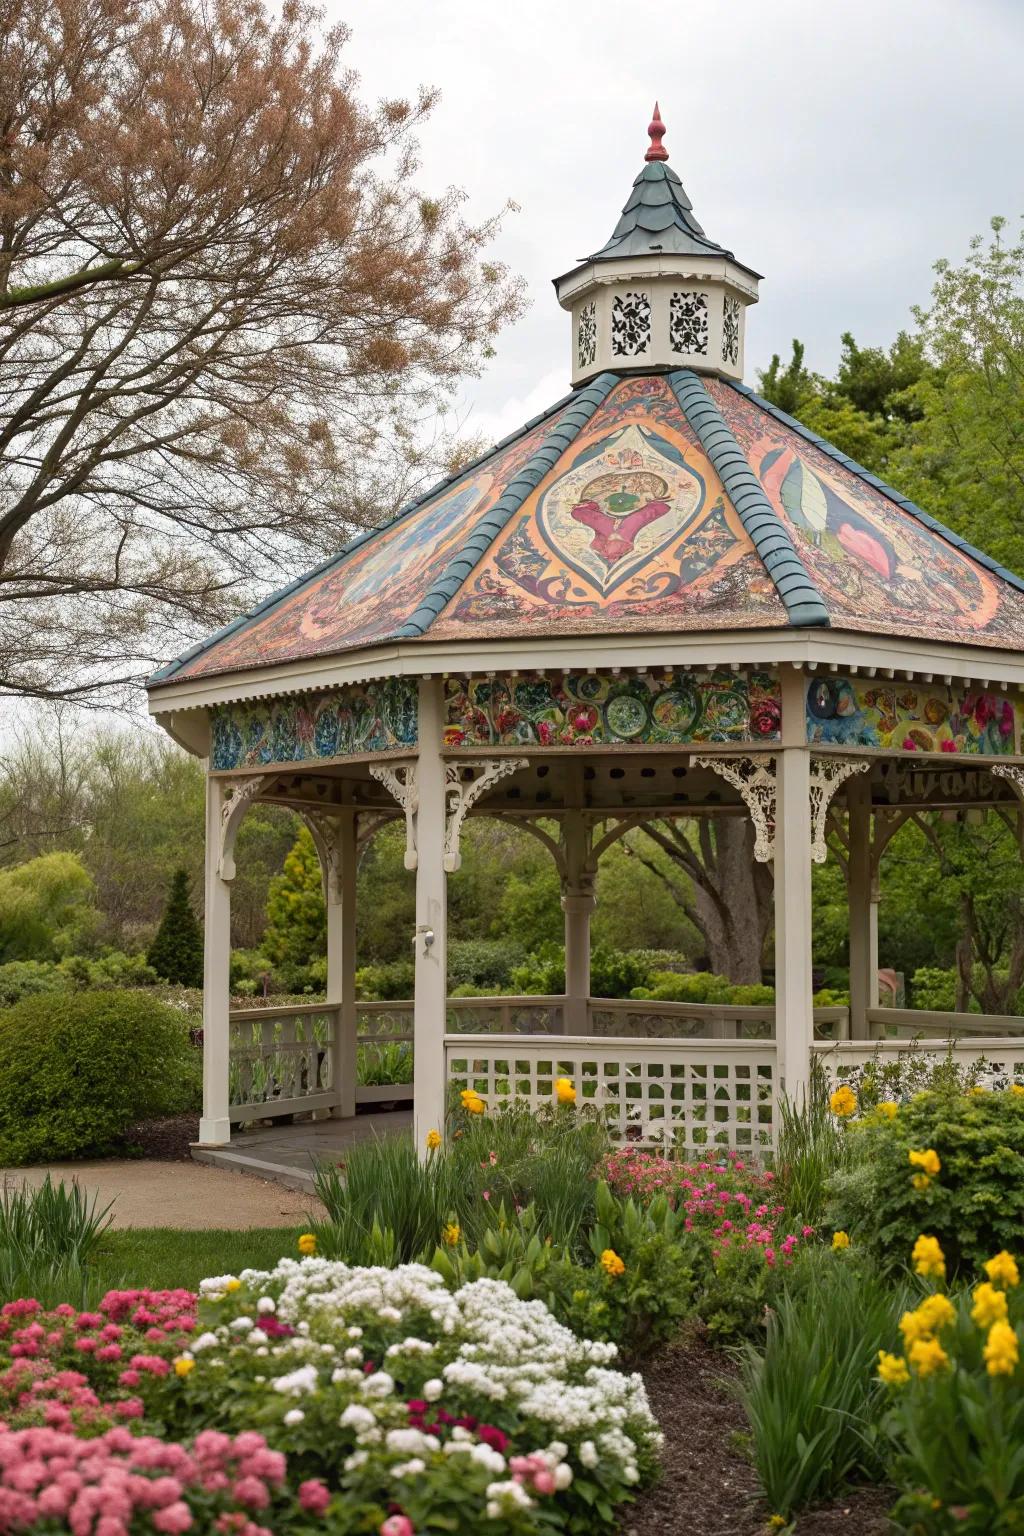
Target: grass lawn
(162,1257)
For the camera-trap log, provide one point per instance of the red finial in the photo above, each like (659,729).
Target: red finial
(656,128)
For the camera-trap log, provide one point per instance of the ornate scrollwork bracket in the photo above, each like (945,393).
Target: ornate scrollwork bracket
(399,779)
(828,774)
(461,794)
(240,795)
(754,780)
(1013,773)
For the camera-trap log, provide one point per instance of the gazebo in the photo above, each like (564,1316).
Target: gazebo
(661,598)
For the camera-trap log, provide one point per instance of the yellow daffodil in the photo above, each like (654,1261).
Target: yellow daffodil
(913,1327)
(564,1091)
(611,1263)
(989,1305)
(1003,1271)
(183,1364)
(233,1285)
(927,1356)
(843,1102)
(1017,1088)
(307,1244)
(777,1522)
(889,1109)
(978,1088)
(840,1240)
(927,1161)
(937,1312)
(433,1140)
(928,1258)
(472,1103)
(921,1182)
(452,1233)
(892,1369)
(1002,1352)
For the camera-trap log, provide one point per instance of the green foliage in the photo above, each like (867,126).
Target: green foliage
(612,973)
(974,1206)
(296,931)
(387,982)
(45,907)
(385,1063)
(811,1147)
(176,953)
(77,1070)
(27,978)
(383,1200)
(645,1304)
(813,1402)
(702,987)
(48,1238)
(482,962)
(933,988)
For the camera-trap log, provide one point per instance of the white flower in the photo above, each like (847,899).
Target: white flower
(505,1498)
(204,1341)
(410,1468)
(257,1336)
(563,1476)
(356,1460)
(410,1441)
(241,1324)
(487,1457)
(432,1389)
(294,1416)
(353,1356)
(357,1417)
(297,1383)
(380,1384)
(588,1454)
(266,1304)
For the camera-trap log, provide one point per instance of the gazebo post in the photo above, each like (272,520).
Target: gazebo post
(341,962)
(863,909)
(430,1005)
(215,1122)
(578,902)
(794,998)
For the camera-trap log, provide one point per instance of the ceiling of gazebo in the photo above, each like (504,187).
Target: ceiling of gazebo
(656,503)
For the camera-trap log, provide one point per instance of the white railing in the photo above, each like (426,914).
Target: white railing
(649,1020)
(885,1022)
(667,1093)
(901,1063)
(281,1060)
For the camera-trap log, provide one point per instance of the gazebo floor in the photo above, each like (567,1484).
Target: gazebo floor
(287,1153)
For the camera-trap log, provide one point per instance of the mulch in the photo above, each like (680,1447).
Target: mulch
(708,1486)
(164,1141)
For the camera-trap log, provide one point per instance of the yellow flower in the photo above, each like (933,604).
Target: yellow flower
(913,1327)
(937,1312)
(307,1243)
(843,1102)
(233,1285)
(471,1101)
(989,1305)
(1002,1351)
(892,1369)
(452,1233)
(888,1108)
(927,1356)
(1017,1088)
(611,1263)
(777,1522)
(840,1240)
(920,1181)
(928,1258)
(927,1161)
(978,1088)
(183,1364)
(564,1091)
(433,1140)
(1003,1271)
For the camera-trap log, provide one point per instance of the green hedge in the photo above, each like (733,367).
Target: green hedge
(77,1070)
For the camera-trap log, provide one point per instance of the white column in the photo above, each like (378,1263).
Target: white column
(431,937)
(863,909)
(794,1005)
(215,1123)
(578,902)
(341,962)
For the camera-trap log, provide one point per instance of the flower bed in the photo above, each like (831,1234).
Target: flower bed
(315,1396)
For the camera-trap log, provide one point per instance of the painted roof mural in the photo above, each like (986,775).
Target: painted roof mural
(658,503)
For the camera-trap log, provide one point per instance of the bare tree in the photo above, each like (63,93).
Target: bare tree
(224,307)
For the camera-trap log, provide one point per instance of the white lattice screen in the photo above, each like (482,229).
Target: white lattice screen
(663,1094)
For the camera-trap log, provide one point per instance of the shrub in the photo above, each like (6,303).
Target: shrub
(476,963)
(387,982)
(27,978)
(613,972)
(971,1198)
(77,1070)
(176,953)
(813,1404)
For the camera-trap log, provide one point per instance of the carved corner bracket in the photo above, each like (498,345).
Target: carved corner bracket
(828,774)
(753,778)
(399,779)
(461,794)
(239,796)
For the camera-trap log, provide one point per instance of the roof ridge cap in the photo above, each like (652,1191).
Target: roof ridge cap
(870,478)
(497,518)
(771,539)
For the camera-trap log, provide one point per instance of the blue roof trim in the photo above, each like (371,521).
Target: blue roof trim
(801,599)
(904,504)
(166,672)
(570,424)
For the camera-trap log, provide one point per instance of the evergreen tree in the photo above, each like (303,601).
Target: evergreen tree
(296,931)
(176,953)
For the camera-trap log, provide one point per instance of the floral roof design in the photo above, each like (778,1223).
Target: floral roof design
(646,503)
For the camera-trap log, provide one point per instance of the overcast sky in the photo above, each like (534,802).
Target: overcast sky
(838,148)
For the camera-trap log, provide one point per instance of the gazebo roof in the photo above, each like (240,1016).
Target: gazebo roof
(652,500)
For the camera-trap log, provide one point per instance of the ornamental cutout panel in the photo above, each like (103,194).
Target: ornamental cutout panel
(731,330)
(631,324)
(912,717)
(590,709)
(586,335)
(688,323)
(314,727)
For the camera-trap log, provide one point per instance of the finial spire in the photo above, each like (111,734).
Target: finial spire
(656,128)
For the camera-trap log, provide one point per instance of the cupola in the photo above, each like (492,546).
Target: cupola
(660,293)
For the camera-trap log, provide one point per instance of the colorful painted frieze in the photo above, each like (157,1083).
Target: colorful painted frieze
(313,727)
(668,707)
(911,717)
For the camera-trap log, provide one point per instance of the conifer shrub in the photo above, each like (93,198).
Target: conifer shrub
(176,953)
(77,1069)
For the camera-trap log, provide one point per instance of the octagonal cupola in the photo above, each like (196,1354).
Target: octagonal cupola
(659,293)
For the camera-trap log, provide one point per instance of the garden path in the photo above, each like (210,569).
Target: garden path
(187,1196)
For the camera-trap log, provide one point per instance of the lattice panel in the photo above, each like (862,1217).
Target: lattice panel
(905,1067)
(687,1097)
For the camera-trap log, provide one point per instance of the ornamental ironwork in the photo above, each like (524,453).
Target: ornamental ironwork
(688,322)
(631,324)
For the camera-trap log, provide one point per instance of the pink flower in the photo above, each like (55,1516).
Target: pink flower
(173,1517)
(252,1493)
(314,1496)
(397,1525)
